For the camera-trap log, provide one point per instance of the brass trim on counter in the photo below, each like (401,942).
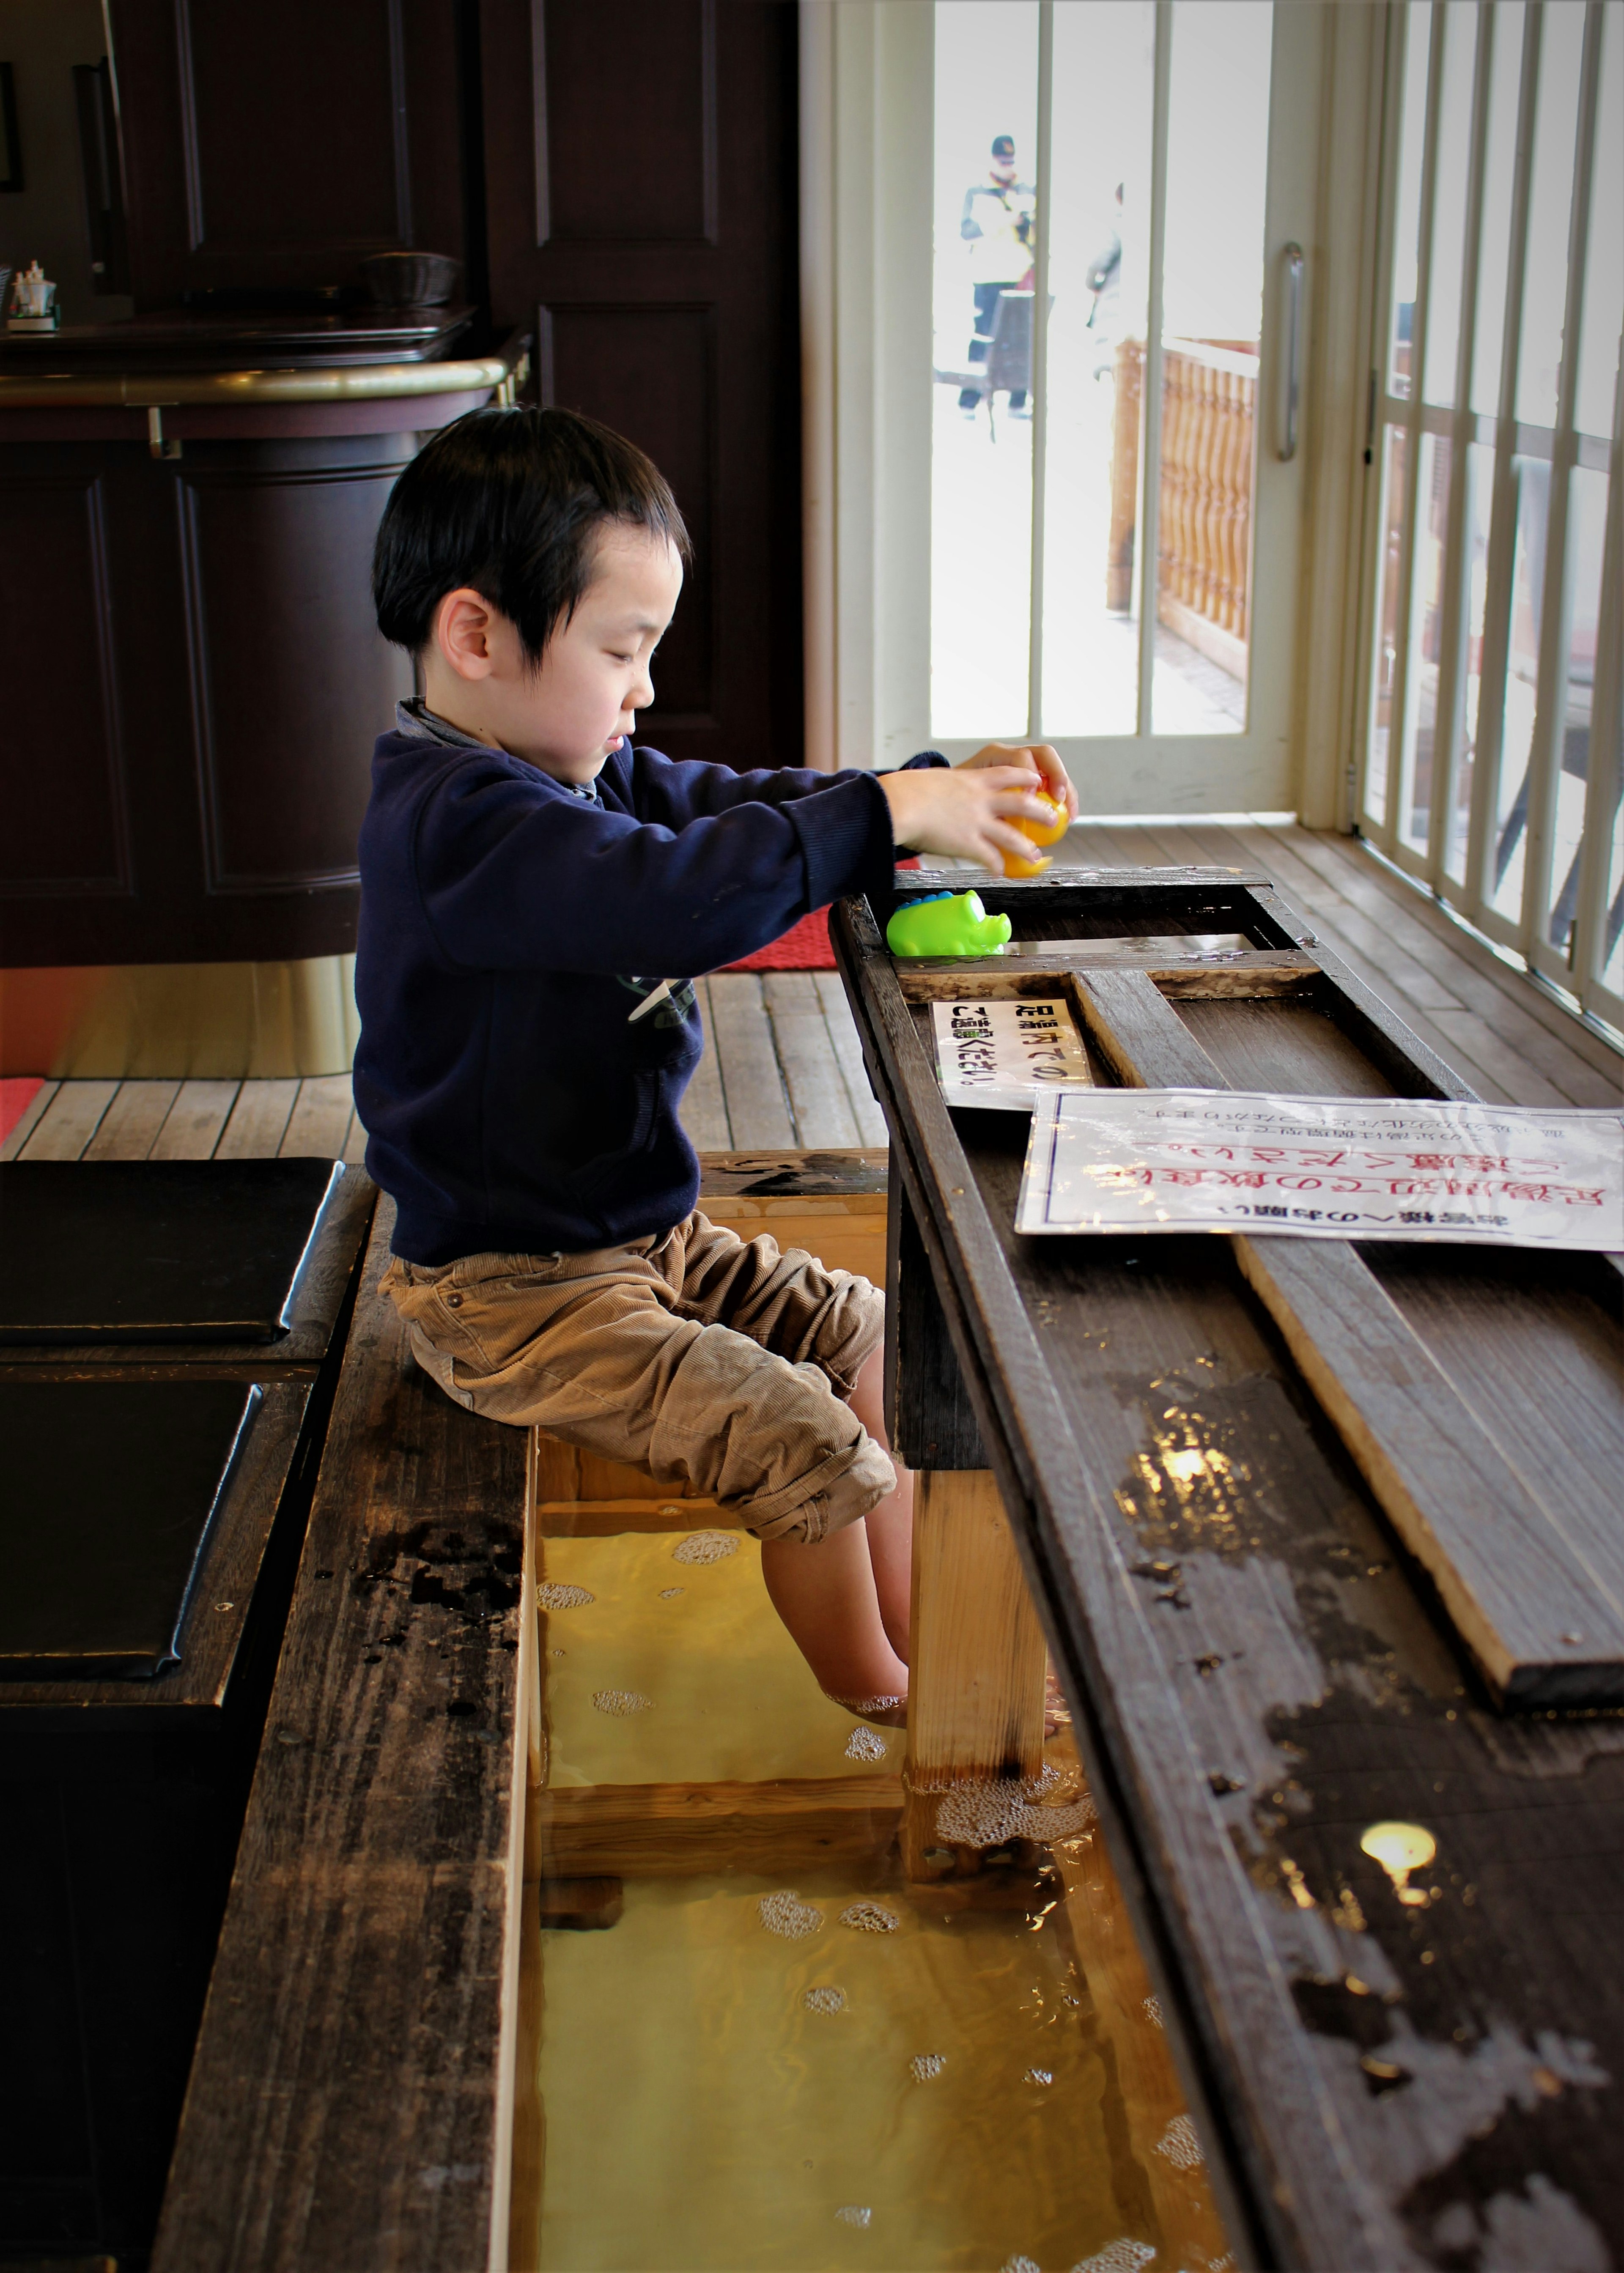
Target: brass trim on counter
(179,390)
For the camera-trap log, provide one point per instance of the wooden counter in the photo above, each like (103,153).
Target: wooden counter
(1210,1454)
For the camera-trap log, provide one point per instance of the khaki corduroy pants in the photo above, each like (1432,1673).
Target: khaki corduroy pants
(708,1361)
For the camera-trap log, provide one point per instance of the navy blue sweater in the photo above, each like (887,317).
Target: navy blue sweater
(511,930)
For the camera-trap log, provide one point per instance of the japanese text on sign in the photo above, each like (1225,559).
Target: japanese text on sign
(1193,1161)
(1001,1054)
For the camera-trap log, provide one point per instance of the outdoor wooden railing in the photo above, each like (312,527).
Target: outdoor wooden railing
(1208,420)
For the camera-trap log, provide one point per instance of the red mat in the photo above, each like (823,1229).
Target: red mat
(18,1092)
(804,945)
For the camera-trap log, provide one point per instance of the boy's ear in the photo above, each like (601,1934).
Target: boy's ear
(465,630)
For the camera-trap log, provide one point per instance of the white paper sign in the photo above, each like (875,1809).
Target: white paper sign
(1001,1054)
(1197,1159)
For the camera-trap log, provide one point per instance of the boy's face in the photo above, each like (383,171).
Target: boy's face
(567,717)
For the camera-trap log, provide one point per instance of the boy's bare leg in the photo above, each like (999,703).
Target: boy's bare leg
(845,1600)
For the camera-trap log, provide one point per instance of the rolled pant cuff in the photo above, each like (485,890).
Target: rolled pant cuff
(841,1490)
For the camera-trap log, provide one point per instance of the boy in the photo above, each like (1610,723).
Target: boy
(536,896)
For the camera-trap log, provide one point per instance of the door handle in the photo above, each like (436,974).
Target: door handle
(1289,379)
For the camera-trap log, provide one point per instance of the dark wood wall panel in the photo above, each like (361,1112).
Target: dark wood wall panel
(652,63)
(640,165)
(291,679)
(278,146)
(61,768)
(649,372)
(331,138)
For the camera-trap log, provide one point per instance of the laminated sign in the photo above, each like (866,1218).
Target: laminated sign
(1198,1159)
(1002,1053)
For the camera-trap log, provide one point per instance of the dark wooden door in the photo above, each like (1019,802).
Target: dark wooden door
(641,210)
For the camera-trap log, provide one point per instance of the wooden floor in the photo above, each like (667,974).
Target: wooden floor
(782,1068)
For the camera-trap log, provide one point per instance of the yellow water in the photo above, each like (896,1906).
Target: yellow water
(960,2104)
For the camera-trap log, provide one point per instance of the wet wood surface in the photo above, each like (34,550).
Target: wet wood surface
(1387,2066)
(349,2104)
(680,1830)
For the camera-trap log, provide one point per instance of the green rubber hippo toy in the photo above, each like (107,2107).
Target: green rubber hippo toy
(952,923)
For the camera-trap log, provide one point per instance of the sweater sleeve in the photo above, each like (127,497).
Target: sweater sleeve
(516,875)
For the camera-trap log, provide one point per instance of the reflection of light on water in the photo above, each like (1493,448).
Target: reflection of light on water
(1400,1849)
(1185,1481)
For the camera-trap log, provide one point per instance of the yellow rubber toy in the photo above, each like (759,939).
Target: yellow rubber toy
(1041,832)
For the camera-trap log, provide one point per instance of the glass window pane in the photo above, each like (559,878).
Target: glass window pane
(1213,320)
(1550,207)
(1586,511)
(1604,258)
(1499,169)
(1388,583)
(1528,586)
(1098,276)
(1443,320)
(1479,494)
(981,459)
(1407,226)
(1426,615)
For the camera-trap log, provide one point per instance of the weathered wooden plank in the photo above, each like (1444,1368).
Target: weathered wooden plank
(192,1130)
(757,1111)
(818,1099)
(360,2007)
(976,1663)
(705,1108)
(1266,972)
(1259,1681)
(787,1173)
(259,1121)
(69,1121)
(929,1415)
(848,1055)
(680,1830)
(320,1121)
(1298,1048)
(1537,1614)
(130,1126)
(28,1120)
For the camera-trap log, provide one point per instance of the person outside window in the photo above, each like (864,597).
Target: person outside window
(999,225)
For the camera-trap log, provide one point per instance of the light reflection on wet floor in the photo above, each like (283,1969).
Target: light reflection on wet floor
(824,2068)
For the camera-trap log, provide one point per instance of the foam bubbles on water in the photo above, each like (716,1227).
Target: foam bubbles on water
(670,1593)
(563,1598)
(1039,2075)
(620,1703)
(786,1914)
(854,2214)
(1151,2006)
(706,1547)
(865,1744)
(1180,2145)
(1119,2257)
(824,2001)
(924,2067)
(1020,2264)
(869,1917)
(992,1815)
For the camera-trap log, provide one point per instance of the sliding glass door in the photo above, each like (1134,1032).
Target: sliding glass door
(1121,190)
(1491,763)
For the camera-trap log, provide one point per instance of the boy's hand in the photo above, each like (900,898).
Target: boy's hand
(968,813)
(1055,781)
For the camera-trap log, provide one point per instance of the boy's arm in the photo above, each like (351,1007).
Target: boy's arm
(674,791)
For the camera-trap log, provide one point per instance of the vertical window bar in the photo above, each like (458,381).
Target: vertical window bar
(1401,733)
(1452,646)
(1039,362)
(1381,365)
(1602,792)
(1551,700)
(1150,456)
(1503,511)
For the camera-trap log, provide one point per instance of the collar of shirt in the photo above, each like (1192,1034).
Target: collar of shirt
(416,721)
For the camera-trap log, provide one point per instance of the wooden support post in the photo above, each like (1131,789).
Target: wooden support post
(975,1707)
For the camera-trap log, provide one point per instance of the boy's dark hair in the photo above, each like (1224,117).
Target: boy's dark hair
(510,502)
